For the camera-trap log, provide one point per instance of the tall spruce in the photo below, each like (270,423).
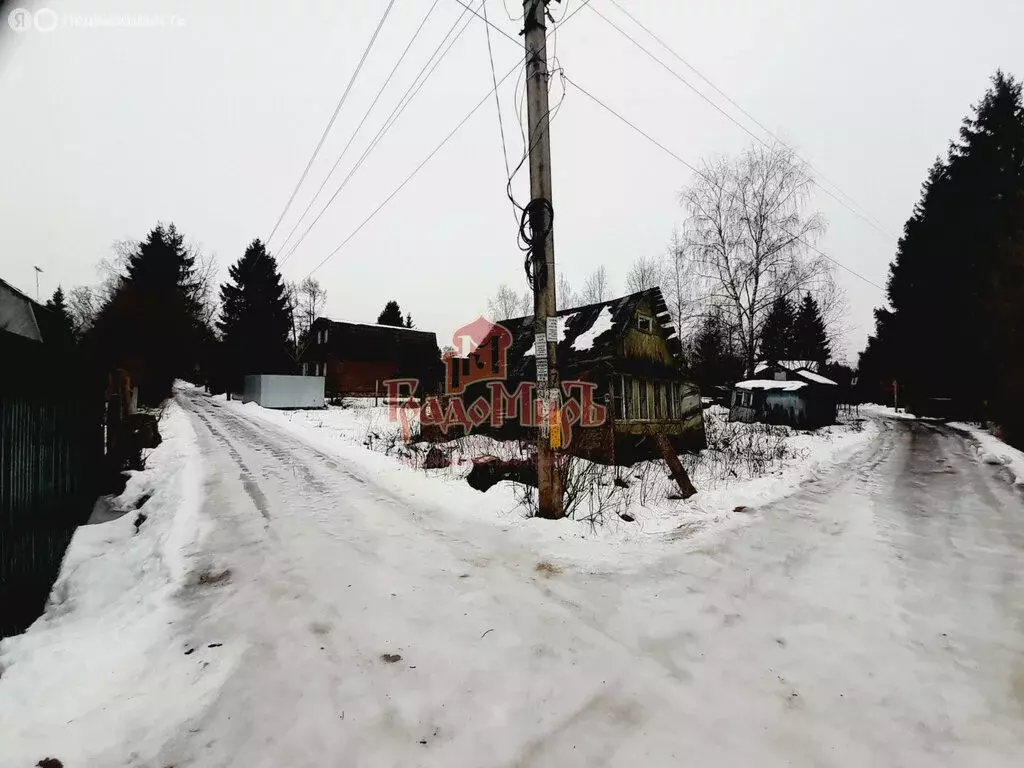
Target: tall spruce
(152,325)
(65,325)
(955,285)
(255,317)
(810,337)
(778,331)
(391,315)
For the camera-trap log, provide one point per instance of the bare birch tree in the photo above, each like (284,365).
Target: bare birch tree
(82,306)
(679,284)
(595,287)
(566,297)
(306,302)
(751,234)
(506,303)
(645,273)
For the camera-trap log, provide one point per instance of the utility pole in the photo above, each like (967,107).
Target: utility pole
(542,253)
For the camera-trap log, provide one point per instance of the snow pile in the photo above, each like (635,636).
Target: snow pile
(994,451)
(874,409)
(585,341)
(102,652)
(781,386)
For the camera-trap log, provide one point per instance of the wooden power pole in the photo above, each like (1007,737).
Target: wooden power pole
(542,254)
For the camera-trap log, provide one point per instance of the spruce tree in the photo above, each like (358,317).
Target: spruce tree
(955,285)
(391,315)
(152,325)
(408,320)
(777,333)
(712,361)
(810,337)
(255,317)
(65,325)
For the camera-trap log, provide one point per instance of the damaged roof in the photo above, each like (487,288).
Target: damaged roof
(587,334)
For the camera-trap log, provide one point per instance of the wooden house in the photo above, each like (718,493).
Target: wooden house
(786,392)
(627,348)
(357,358)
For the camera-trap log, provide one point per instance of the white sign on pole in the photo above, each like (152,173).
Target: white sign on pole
(540,346)
(542,371)
(553,329)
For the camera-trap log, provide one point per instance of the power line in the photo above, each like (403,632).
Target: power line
(730,118)
(728,98)
(334,116)
(497,99)
(388,124)
(410,177)
(579,8)
(366,115)
(700,173)
(396,113)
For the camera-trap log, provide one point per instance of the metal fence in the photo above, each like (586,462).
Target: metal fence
(51,453)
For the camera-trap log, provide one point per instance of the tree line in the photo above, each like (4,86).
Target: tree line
(954,323)
(741,276)
(158,313)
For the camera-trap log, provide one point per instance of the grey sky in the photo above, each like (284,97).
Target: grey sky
(208,123)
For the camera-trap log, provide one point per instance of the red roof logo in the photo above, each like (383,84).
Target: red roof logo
(481,355)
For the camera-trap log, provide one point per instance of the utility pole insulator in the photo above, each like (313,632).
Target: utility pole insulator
(549,483)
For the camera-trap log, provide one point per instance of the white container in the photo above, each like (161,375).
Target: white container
(273,391)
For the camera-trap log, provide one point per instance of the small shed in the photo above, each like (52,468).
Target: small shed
(805,401)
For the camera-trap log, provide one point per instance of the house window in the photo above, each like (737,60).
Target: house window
(629,394)
(618,400)
(645,399)
(659,400)
(644,323)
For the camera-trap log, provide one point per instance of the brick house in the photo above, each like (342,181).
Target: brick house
(357,358)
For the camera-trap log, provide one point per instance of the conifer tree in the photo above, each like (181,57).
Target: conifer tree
(810,338)
(58,306)
(255,317)
(777,332)
(955,285)
(391,315)
(153,324)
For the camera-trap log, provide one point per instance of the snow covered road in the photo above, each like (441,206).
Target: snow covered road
(874,618)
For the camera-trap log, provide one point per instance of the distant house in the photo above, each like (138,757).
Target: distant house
(628,349)
(356,358)
(786,392)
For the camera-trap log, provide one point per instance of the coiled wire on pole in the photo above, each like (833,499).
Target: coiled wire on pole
(535,225)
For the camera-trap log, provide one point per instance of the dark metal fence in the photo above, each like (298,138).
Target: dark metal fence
(51,454)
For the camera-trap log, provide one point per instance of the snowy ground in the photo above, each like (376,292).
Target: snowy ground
(726,476)
(296,600)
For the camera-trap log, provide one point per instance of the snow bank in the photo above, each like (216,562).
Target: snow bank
(994,451)
(103,651)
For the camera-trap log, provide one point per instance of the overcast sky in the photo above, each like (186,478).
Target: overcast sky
(207,116)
